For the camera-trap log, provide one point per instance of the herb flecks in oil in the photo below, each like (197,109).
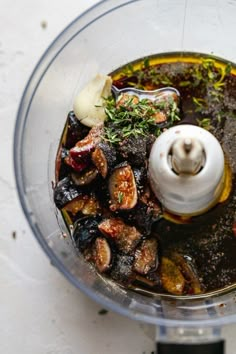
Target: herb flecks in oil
(204,123)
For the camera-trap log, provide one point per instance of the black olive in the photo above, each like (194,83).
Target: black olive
(85,231)
(64,192)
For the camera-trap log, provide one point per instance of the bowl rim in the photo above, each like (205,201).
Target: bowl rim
(34,80)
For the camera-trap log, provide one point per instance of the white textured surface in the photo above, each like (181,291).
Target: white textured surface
(40,312)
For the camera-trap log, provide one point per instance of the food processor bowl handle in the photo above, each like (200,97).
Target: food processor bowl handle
(206,348)
(189,340)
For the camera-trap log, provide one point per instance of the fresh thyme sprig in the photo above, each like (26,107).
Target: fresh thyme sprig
(136,117)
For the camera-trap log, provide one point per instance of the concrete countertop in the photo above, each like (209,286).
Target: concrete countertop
(40,311)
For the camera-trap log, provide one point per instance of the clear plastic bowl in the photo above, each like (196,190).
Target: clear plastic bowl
(105,37)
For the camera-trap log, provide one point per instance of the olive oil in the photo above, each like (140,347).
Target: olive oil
(201,248)
(207,85)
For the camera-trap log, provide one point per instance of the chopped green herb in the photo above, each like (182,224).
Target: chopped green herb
(120,197)
(228,69)
(232,114)
(136,118)
(204,123)
(111,136)
(199,101)
(200,104)
(184,83)
(146,63)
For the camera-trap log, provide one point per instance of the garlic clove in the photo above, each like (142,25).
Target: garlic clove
(89,104)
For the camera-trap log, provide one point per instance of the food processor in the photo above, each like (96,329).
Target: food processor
(107,36)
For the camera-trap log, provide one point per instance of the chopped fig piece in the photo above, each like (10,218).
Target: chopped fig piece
(100,161)
(64,192)
(166,107)
(143,217)
(86,204)
(85,146)
(146,256)
(125,98)
(103,158)
(146,212)
(189,273)
(76,204)
(171,277)
(85,231)
(160,117)
(102,255)
(125,236)
(91,206)
(94,137)
(86,177)
(78,152)
(122,188)
(79,155)
(152,203)
(77,166)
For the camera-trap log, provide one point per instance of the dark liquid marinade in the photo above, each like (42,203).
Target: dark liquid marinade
(207,241)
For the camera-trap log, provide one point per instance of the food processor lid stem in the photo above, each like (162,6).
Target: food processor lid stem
(188,156)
